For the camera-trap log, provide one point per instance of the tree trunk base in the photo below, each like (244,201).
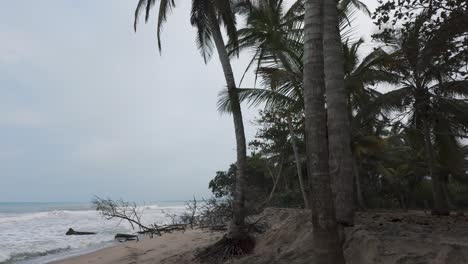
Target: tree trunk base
(226,249)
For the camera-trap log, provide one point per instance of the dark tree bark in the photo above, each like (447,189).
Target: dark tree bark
(327,246)
(298,163)
(440,206)
(237,229)
(357,178)
(339,142)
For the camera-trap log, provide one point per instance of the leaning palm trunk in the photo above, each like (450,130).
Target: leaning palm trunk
(341,159)
(327,246)
(298,163)
(237,228)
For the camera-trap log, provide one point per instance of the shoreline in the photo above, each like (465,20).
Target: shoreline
(36,233)
(72,253)
(378,237)
(176,247)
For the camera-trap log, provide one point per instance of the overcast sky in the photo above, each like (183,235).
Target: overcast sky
(89,107)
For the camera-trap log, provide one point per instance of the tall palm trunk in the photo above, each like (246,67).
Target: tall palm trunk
(357,178)
(325,234)
(440,206)
(298,163)
(339,142)
(237,228)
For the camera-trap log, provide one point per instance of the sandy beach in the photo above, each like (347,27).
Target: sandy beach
(177,247)
(378,237)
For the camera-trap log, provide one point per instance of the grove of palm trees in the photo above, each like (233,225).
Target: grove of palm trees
(347,128)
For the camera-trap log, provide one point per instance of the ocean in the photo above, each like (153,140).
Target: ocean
(34,233)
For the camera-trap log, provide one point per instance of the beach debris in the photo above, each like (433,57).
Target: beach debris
(72,232)
(132,213)
(126,237)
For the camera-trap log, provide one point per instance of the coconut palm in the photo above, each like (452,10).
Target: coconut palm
(208,16)
(325,230)
(276,36)
(281,91)
(429,96)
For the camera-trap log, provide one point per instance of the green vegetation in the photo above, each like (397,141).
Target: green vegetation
(388,132)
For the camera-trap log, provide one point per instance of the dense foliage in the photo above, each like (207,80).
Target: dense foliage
(407,104)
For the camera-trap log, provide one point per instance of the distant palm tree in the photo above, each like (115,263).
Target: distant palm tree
(429,96)
(207,16)
(360,76)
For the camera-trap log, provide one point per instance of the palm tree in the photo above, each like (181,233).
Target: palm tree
(267,30)
(339,132)
(325,229)
(277,38)
(282,85)
(207,16)
(360,77)
(430,96)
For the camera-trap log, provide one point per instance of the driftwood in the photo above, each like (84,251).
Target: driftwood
(72,232)
(126,237)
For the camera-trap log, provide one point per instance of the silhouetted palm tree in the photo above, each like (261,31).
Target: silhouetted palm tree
(208,16)
(429,95)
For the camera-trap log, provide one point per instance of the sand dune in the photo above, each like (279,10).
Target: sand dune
(384,237)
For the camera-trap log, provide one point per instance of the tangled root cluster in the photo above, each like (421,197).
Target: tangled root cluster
(226,249)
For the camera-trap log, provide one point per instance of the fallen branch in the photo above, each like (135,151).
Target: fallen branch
(131,213)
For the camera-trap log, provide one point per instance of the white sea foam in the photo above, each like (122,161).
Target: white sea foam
(27,235)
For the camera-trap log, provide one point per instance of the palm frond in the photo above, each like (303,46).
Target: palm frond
(199,18)
(165,6)
(224,9)
(454,88)
(255,97)
(146,5)
(138,10)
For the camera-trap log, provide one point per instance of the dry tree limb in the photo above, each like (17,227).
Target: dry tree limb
(131,213)
(120,209)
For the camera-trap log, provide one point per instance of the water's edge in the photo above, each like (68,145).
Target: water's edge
(35,234)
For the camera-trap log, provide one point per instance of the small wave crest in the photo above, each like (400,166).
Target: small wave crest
(17,257)
(40,215)
(151,207)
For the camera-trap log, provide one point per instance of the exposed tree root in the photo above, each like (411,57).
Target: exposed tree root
(225,250)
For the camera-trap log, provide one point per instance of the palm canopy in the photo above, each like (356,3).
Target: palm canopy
(427,87)
(428,91)
(199,18)
(283,87)
(275,34)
